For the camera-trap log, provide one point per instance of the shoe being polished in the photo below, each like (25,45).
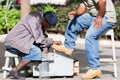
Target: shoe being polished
(62,48)
(91,73)
(16,75)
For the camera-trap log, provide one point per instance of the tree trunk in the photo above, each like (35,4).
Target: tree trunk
(25,8)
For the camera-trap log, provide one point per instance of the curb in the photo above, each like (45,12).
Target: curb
(81,41)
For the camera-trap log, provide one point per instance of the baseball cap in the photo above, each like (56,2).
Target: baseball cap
(51,18)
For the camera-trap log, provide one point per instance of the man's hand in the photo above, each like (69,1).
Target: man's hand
(57,42)
(71,14)
(98,22)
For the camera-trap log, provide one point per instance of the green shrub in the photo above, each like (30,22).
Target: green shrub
(49,8)
(8,19)
(117,29)
(9,16)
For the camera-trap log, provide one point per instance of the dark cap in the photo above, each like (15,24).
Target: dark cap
(51,18)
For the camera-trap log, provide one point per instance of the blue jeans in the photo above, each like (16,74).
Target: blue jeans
(91,38)
(34,54)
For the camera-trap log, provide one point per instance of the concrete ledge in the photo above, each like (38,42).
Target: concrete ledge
(2,37)
(106,43)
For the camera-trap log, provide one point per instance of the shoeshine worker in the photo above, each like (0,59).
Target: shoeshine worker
(28,32)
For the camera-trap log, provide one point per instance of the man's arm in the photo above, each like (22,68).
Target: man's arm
(81,9)
(101,12)
(101,6)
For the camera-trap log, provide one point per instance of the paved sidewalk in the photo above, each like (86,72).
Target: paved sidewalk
(79,54)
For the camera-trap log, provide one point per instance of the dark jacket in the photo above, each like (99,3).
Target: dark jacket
(26,32)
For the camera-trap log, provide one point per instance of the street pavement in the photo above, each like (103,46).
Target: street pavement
(79,54)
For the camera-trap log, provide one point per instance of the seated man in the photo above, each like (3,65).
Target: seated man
(31,29)
(100,18)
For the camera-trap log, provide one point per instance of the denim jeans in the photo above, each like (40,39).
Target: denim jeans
(34,54)
(91,38)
